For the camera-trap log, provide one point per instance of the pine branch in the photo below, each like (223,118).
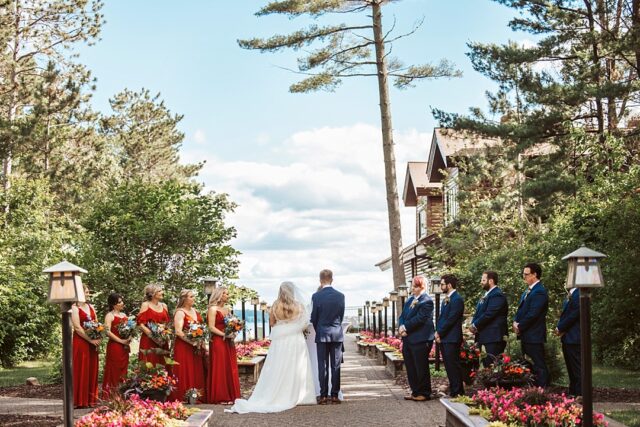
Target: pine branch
(297,39)
(419,72)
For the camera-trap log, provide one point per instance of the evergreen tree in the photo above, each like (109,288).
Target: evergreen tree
(346,50)
(145,139)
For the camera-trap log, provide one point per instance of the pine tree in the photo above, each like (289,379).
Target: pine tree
(358,49)
(145,138)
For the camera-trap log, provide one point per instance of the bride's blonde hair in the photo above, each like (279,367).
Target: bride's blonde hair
(286,302)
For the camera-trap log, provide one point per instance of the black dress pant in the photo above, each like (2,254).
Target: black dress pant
(416,361)
(329,357)
(536,353)
(571,353)
(451,356)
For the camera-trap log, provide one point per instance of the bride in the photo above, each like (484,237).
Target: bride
(287,376)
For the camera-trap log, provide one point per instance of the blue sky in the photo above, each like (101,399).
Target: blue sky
(305,169)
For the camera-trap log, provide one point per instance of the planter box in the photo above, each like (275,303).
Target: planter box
(200,419)
(395,364)
(382,351)
(362,348)
(458,415)
(373,351)
(253,366)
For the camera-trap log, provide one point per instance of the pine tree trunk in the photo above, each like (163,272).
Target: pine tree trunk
(393,208)
(635,19)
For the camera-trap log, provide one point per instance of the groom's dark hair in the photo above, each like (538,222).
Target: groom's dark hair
(326,275)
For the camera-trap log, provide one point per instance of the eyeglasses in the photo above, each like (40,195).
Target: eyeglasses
(526,274)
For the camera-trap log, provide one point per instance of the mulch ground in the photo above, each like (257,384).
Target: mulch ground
(10,420)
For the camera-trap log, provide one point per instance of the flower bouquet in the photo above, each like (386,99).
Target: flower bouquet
(192,395)
(159,332)
(127,329)
(198,333)
(149,381)
(94,330)
(232,325)
(505,373)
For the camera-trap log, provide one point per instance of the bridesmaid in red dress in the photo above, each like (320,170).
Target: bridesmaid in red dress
(85,356)
(189,354)
(223,382)
(117,358)
(153,310)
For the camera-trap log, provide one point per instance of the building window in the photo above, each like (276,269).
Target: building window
(422,221)
(451,198)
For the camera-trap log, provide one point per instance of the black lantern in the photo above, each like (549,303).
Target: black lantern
(255,301)
(209,283)
(263,308)
(65,288)
(584,273)
(393,297)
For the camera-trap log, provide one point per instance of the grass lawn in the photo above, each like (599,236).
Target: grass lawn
(615,377)
(18,375)
(628,418)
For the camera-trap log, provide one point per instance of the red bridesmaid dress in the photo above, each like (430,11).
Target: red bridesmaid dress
(146,343)
(116,360)
(190,368)
(85,366)
(223,382)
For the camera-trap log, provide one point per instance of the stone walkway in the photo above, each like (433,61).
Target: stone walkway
(372,399)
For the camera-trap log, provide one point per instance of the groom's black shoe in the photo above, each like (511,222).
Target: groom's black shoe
(335,400)
(323,400)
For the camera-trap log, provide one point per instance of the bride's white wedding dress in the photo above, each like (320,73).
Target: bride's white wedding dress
(286,379)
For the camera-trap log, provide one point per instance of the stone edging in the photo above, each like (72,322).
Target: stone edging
(199,419)
(458,415)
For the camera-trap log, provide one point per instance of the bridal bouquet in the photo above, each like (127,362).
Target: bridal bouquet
(159,332)
(127,329)
(94,330)
(232,325)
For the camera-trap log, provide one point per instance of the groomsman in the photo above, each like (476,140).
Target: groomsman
(568,330)
(490,319)
(530,322)
(449,332)
(417,332)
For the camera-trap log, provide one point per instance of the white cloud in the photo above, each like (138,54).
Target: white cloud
(317,200)
(200,137)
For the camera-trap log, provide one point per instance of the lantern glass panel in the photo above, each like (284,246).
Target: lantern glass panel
(263,305)
(255,300)
(385,302)
(65,287)
(588,273)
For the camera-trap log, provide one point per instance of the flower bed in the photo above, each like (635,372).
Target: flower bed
(528,407)
(248,350)
(136,412)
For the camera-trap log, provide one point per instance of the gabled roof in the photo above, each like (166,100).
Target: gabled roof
(416,183)
(414,250)
(447,143)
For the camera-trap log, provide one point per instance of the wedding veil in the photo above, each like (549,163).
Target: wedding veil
(302,321)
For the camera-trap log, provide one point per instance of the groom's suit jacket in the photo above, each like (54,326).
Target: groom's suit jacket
(418,320)
(327,315)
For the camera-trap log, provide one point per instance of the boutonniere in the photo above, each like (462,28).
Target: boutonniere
(482,300)
(446,300)
(414,302)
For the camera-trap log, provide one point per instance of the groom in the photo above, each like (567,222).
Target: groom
(326,316)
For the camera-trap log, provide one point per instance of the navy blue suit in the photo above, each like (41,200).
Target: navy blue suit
(418,321)
(450,332)
(569,326)
(490,321)
(326,316)
(531,317)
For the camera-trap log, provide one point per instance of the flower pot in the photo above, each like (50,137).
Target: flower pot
(157,395)
(192,400)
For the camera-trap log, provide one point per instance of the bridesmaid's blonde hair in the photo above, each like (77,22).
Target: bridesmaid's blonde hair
(150,290)
(183,297)
(216,295)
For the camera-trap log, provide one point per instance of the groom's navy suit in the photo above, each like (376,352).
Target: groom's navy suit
(531,317)
(417,319)
(450,331)
(326,316)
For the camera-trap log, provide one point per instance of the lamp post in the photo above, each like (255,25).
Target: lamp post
(269,309)
(393,297)
(209,284)
(436,291)
(379,311)
(373,316)
(263,308)
(385,304)
(367,321)
(243,300)
(65,288)
(255,301)
(585,273)
(403,292)
(360,312)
